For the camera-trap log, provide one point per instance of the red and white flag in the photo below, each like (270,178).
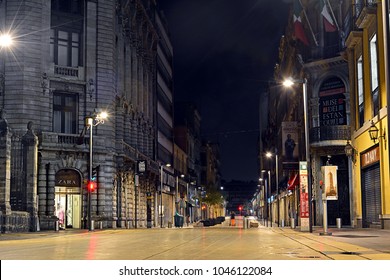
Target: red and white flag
(329,23)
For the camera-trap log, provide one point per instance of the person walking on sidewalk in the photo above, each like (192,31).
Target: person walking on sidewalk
(232,219)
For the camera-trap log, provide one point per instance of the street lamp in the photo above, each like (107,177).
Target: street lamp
(290,83)
(92,121)
(266,198)
(269,155)
(161,195)
(6,40)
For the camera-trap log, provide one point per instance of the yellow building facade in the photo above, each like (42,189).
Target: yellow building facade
(366,48)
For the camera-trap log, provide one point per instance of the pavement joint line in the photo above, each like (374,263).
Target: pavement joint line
(302,237)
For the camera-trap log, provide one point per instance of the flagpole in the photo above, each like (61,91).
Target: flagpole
(334,17)
(308,22)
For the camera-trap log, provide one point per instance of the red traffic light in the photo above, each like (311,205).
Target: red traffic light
(91,186)
(240,208)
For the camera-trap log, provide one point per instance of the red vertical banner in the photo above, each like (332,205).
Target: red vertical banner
(303,187)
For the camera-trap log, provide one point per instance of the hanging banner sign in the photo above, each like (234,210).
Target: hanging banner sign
(329,175)
(304,191)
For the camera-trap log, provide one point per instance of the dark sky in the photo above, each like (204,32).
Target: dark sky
(224,54)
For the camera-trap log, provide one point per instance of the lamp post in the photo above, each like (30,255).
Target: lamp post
(161,194)
(92,121)
(269,155)
(289,83)
(269,193)
(265,197)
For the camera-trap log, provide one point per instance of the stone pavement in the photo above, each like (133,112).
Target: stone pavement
(344,243)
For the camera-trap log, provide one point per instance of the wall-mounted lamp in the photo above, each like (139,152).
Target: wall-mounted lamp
(350,151)
(90,88)
(374,133)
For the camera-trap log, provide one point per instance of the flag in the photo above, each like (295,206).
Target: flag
(299,32)
(329,24)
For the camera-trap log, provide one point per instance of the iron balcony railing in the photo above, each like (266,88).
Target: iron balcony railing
(329,133)
(361,4)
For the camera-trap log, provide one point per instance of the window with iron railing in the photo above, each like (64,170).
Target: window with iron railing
(361,4)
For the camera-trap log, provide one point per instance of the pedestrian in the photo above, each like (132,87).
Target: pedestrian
(188,220)
(232,219)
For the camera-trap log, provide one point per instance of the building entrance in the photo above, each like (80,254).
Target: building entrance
(68,209)
(68,198)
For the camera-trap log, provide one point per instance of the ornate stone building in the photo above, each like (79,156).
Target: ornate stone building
(71,60)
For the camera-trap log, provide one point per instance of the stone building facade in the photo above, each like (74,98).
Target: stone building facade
(71,60)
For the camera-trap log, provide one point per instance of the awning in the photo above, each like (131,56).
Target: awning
(293,182)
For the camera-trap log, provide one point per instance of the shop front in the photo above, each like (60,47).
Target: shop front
(371,188)
(68,198)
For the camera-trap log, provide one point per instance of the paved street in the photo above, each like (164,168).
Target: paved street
(214,243)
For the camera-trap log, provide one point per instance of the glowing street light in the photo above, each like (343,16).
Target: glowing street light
(6,40)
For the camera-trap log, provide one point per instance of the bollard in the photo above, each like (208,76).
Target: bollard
(92,225)
(292,221)
(101,225)
(338,222)
(282,223)
(56,226)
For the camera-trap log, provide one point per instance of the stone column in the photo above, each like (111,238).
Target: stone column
(5,168)
(30,154)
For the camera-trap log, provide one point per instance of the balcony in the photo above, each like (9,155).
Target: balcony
(330,135)
(353,34)
(72,73)
(61,141)
(365,11)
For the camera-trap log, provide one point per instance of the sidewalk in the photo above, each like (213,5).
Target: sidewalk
(359,243)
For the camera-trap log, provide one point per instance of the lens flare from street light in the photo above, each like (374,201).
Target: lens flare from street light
(103,115)
(268,154)
(5,40)
(288,82)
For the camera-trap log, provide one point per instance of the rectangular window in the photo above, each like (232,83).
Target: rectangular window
(65,113)
(374,74)
(67,6)
(360,90)
(65,48)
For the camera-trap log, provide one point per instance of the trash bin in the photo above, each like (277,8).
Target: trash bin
(169,224)
(338,222)
(292,221)
(179,220)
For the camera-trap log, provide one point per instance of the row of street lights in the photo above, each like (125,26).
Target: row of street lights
(289,83)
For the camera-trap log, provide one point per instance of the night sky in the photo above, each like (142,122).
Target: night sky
(224,55)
